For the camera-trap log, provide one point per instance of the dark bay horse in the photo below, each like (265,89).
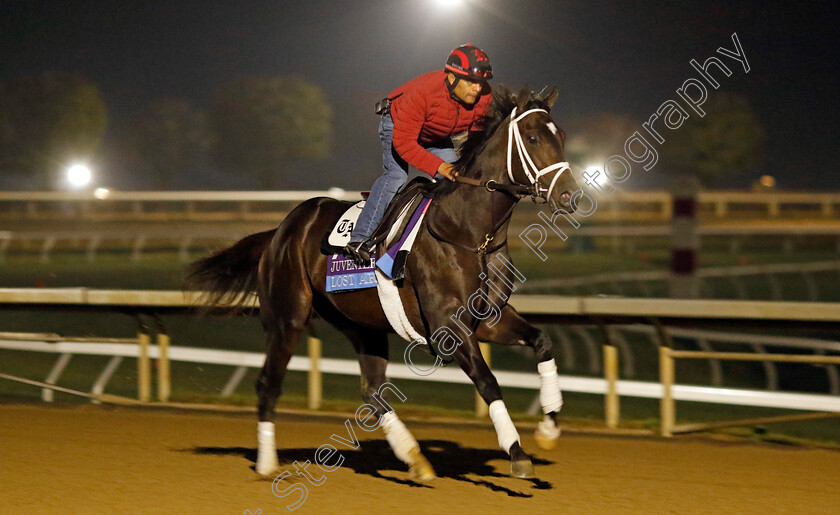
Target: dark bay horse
(518,152)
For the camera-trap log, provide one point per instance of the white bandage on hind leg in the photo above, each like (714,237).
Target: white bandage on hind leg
(504,425)
(550,396)
(548,428)
(267,450)
(398,436)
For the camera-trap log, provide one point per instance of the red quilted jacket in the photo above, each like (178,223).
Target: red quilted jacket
(425,113)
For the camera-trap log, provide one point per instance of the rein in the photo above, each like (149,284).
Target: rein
(517,190)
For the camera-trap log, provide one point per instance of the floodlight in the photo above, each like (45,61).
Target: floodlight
(79,175)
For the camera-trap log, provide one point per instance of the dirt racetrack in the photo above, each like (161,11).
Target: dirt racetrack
(97,459)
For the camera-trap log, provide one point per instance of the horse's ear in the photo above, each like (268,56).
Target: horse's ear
(550,97)
(522,98)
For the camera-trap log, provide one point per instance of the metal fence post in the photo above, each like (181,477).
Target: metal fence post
(666,377)
(611,404)
(60,364)
(610,357)
(144,373)
(481,408)
(164,385)
(313,345)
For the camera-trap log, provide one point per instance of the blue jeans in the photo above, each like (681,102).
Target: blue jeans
(394,176)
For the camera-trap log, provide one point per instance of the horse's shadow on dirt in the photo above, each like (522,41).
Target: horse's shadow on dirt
(449,459)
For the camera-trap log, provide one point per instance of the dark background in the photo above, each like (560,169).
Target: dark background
(622,57)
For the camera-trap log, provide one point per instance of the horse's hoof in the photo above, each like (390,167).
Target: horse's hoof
(547,436)
(545,442)
(420,468)
(523,469)
(267,468)
(267,472)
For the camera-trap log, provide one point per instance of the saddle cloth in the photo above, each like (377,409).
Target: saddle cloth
(392,262)
(398,229)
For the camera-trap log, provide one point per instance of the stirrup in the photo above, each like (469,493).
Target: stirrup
(359,252)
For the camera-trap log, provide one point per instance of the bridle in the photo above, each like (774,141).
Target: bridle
(516,189)
(538,193)
(531,171)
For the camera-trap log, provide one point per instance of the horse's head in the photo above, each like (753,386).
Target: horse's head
(536,156)
(518,149)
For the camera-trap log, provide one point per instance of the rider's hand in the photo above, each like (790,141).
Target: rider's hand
(446,169)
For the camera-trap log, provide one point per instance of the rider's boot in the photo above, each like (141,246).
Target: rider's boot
(359,252)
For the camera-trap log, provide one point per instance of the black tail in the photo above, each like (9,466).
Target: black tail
(230,275)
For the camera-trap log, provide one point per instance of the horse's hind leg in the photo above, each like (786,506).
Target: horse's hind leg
(284,317)
(372,348)
(268,388)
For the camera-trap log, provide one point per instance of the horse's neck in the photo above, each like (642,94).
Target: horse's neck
(470,213)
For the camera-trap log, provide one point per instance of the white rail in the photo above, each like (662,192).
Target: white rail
(548,309)
(732,396)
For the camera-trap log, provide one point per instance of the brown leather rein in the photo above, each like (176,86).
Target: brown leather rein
(516,190)
(491,185)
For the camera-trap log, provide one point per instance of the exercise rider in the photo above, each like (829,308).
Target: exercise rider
(418,122)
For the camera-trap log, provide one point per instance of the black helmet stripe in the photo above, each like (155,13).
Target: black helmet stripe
(469,62)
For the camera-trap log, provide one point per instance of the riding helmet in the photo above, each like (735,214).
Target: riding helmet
(469,62)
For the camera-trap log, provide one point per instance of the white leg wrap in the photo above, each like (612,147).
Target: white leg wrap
(398,436)
(266,450)
(504,425)
(550,396)
(548,428)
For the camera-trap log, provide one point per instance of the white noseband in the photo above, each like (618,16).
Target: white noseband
(531,171)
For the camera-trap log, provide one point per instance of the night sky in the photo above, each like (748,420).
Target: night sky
(623,57)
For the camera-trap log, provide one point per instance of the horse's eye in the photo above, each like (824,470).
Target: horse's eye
(532,139)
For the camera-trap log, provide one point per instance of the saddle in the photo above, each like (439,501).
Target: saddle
(409,195)
(396,231)
(338,235)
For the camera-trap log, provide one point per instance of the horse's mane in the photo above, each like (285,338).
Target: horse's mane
(503,103)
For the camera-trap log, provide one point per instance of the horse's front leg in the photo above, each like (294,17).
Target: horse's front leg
(469,358)
(512,329)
